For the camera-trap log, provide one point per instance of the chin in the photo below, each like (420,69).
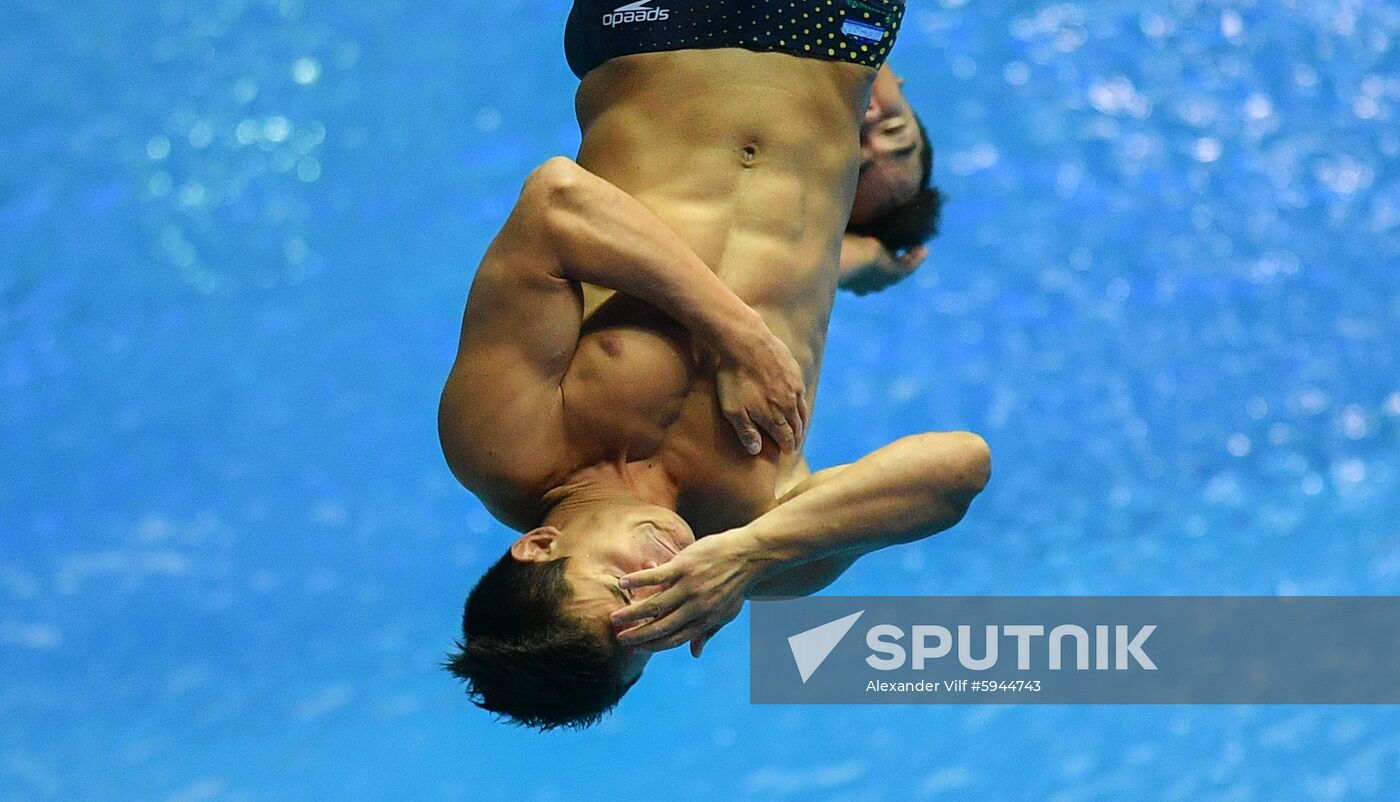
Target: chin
(861,211)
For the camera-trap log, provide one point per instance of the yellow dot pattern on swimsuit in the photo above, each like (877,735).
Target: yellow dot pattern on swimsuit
(853,31)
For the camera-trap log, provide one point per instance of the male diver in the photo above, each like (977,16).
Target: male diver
(717,172)
(896,206)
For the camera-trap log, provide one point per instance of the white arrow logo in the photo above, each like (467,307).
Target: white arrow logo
(811,648)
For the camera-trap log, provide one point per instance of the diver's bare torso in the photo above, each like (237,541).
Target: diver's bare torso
(752,159)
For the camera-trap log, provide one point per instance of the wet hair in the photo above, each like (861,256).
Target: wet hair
(915,221)
(525,659)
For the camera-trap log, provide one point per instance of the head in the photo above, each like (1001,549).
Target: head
(895,200)
(537,645)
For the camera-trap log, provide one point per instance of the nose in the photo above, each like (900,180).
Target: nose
(872,112)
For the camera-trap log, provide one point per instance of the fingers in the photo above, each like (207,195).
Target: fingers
(697,645)
(651,607)
(697,637)
(685,634)
(797,419)
(658,628)
(913,258)
(695,627)
(783,434)
(889,270)
(789,428)
(671,641)
(747,431)
(655,575)
(804,414)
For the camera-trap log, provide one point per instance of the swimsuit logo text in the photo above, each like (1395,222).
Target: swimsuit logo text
(640,11)
(860,30)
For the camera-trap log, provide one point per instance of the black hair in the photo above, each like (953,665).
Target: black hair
(523,657)
(915,221)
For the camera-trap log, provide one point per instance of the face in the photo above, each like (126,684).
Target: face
(890,150)
(603,546)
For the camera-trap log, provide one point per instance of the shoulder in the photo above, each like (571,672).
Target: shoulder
(508,447)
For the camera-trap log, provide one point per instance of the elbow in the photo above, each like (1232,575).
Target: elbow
(555,182)
(556,191)
(975,457)
(960,468)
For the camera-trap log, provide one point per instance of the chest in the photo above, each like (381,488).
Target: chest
(636,388)
(626,386)
(722,486)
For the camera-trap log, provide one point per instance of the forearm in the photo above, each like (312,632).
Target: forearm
(906,490)
(857,253)
(910,489)
(606,237)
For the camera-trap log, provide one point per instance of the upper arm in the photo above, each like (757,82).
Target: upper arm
(521,304)
(519,333)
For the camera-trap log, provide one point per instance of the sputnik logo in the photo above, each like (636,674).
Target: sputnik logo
(811,648)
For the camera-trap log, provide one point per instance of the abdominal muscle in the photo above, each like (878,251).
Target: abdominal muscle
(750,157)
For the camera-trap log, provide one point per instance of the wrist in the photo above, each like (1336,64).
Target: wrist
(747,552)
(737,334)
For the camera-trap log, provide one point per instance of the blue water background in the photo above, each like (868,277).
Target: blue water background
(235,239)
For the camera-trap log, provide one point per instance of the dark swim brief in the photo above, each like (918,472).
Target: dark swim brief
(854,31)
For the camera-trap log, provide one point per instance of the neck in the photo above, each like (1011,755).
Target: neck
(613,483)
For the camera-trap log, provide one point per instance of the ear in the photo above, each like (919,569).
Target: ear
(537,545)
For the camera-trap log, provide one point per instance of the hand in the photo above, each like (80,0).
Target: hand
(704,589)
(868,266)
(760,387)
